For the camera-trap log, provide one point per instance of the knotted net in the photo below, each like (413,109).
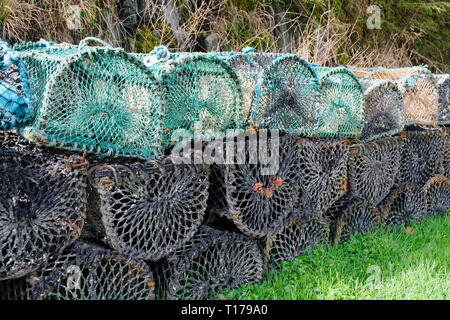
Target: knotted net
(342,107)
(294,237)
(196,88)
(94,99)
(14,92)
(443,83)
(373,168)
(287,97)
(323,173)
(86,272)
(384,109)
(422,154)
(210,262)
(357,218)
(42,205)
(446,152)
(404,203)
(148,210)
(257,200)
(249,67)
(437,195)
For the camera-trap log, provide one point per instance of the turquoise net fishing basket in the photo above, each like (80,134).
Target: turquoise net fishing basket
(342,108)
(95,99)
(197,90)
(287,97)
(15,96)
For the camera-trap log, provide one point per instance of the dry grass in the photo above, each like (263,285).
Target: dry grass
(324,39)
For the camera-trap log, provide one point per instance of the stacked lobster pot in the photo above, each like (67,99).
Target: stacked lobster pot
(180,175)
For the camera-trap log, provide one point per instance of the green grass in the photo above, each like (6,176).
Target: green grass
(412,266)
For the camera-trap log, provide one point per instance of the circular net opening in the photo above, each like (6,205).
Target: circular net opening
(288,97)
(323,174)
(384,110)
(373,168)
(150,210)
(342,107)
(210,263)
(437,195)
(42,207)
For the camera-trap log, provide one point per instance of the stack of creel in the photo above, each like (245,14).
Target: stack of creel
(99,201)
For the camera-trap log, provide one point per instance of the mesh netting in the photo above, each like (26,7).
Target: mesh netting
(42,205)
(293,238)
(210,262)
(14,91)
(323,173)
(384,109)
(405,202)
(148,210)
(373,168)
(443,83)
(249,67)
(357,218)
(446,152)
(380,73)
(86,272)
(258,202)
(342,108)
(95,99)
(197,88)
(422,154)
(437,195)
(287,97)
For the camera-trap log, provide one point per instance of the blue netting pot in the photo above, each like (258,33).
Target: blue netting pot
(342,107)
(15,96)
(95,99)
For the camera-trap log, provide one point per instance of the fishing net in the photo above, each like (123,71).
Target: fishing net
(342,108)
(287,97)
(249,67)
(380,73)
(210,262)
(422,155)
(196,88)
(148,210)
(323,173)
(293,238)
(443,83)
(437,195)
(95,99)
(86,272)
(217,200)
(384,109)
(405,202)
(446,152)
(257,201)
(14,91)
(357,218)
(42,205)
(373,168)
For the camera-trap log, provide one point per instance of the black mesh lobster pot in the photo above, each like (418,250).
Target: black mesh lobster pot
(148,210)
(210,262)
(262,193)
(437,195)
(357,218)
(422,155)
(446,158)
(383,108)
(404,203)
(323,174)
(443,83)
(373,168)
(85,272)
(295,236)
(42,205)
